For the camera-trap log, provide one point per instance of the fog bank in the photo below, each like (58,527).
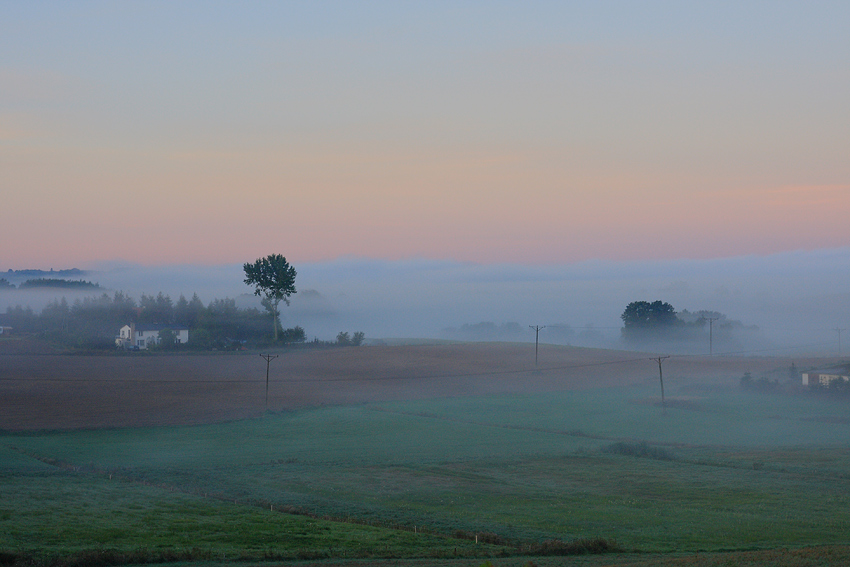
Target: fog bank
(796,299)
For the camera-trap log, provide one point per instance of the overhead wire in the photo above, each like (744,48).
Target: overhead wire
(442,376)
(341,379)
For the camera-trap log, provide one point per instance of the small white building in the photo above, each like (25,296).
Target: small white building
(823,377)
(140,336)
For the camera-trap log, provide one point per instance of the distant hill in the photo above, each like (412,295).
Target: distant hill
(73,272)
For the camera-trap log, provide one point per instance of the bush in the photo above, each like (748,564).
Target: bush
(760,385)
(344,339)
(583,546)
(293,335)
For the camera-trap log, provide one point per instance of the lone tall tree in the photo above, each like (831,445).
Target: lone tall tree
(274,279)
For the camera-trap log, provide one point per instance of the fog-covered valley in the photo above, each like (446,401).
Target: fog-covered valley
(784,303)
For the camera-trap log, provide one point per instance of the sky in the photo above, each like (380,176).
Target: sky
(489,133)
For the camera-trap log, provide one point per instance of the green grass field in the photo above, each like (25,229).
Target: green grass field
(717,471)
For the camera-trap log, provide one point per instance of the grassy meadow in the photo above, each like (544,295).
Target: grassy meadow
(718,471)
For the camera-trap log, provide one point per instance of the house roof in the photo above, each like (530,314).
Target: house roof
(147,328)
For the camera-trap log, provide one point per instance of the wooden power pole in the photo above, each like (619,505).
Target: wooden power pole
(536,339)
(711,321)
(268,358)
(659,359)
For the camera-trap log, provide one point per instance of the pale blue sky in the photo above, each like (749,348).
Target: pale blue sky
(469,131)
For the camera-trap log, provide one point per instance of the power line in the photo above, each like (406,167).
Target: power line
(345,379)
(394,377)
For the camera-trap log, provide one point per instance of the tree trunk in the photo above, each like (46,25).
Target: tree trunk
(274,317)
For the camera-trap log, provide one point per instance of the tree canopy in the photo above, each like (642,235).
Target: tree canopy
(645,315)
(273,279)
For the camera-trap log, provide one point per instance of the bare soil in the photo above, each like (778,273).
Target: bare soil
(44,389)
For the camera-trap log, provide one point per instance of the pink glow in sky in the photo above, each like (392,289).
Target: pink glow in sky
(532,133)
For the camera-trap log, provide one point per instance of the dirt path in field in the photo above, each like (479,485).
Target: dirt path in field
(42,389)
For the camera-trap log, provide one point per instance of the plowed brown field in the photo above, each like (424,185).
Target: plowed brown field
(41,389)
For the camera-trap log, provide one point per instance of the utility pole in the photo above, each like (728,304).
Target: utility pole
(268,358)
(659,359)
(711,321)
(536,339)
(839,340)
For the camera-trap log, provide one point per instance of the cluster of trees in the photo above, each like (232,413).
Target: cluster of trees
(658,319)
(643,321)
(94,322)
(721,322)
(344,339)
(643,316)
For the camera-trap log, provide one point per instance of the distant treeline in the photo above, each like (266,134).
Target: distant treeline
(486,331)
(49,283)
(552,333)
(58,283)
(72,273)
(94,323)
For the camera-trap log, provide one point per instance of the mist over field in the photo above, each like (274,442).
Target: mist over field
(796,299)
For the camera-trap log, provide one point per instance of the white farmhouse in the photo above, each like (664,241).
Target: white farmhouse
(823,378)
(140,336)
